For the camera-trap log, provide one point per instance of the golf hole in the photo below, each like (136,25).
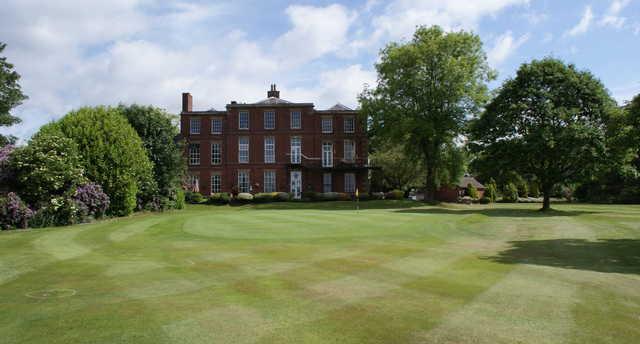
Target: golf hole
(51,293)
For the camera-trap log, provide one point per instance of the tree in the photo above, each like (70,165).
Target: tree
(158,133)
(425,90)
(10,96)
(112,154)
(396,171)
(472,191)
(491,191)
(47,167)
(548,122)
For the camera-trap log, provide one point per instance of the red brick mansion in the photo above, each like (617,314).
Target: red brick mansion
(274,145)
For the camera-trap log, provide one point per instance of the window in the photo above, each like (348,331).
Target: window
(269,181)
(243,150)
(243,181)
(327,154)
(327,125)
(349,151)
(349,124)
(269,150)
(296,149)
(216,153)
(216,126)
(194,154)
(349,182)
(269,119)
(296,120)
(326,182)
(194,126)
(215,183)
(194,183)
(243,120)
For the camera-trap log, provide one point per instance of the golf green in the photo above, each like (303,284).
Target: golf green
(392,272)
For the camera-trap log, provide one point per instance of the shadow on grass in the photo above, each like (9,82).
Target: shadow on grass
(496,212)
(341,205)
(611,255)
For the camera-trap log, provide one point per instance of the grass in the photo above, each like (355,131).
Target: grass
(393,272)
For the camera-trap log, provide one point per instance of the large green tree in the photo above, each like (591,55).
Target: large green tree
(158,133)
(112,155)
(10,95)
(548,122)
(394,169)
(426,89)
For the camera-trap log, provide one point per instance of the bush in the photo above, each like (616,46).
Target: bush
(534,190)
(491,192)
(91,201)
(329,196)
(180,199)
(221,198)
(5,171)
(14,213)
(523,189)
(193,197)
(473,192)
(243,198)
(377,195)
(112,154)
(310,196)
(485,200)
(49,166)
(394,194)
(344,196)
(510,193)
(281,197)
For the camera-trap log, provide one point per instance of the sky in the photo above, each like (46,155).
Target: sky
(74,53)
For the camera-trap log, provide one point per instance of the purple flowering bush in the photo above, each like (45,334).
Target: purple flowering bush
(5,154)
(91,200)
(14,213)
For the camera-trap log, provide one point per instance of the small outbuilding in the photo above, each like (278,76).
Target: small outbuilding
(454,192)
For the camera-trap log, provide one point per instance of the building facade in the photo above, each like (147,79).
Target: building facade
(274,145)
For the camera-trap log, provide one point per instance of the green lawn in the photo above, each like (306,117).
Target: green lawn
(325,273)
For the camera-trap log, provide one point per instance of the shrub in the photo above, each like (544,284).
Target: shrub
(5,154)
(377,195)
(510,193)
(179,199)
(243,198)
(310,196)
(344,196)
(265,197)
(364,196)
(473,192)
(281,197)
(14,213)
(193,197)
(394,194)
(91,200)
(491,191)
(218,198)
(49,166)
(534,190)
(523,189)
(485,200)
(112,154)
(329,196)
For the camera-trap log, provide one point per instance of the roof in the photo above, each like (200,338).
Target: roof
(203,113)
(269,102)
(468,179)
(273,100)
(339,107)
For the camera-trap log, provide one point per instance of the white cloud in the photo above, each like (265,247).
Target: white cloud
(504,46)
(400,17)
(612,16)
(583,24)
(316,31)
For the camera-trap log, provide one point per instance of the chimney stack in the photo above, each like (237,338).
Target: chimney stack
(187,102)
(273,92)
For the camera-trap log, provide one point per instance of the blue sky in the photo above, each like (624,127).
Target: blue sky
(74,53)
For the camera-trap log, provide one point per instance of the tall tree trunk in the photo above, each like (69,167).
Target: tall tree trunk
(430,185)
(546,200)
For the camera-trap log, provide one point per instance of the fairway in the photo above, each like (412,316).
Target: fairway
(393,272)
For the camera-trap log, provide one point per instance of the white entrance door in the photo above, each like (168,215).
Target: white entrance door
(296,184)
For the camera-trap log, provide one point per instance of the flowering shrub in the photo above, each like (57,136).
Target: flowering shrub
(91,200)
(13,212)
(5,153)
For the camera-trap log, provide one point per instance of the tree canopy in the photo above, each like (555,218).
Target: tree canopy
(10,95)
(112,154)
(548,122)
(426,89)
(158,133)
